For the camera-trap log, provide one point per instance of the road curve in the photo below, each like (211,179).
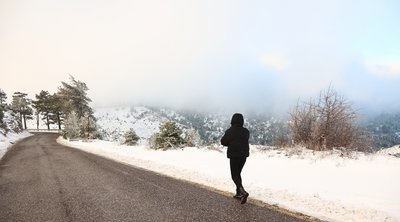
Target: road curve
(41,180)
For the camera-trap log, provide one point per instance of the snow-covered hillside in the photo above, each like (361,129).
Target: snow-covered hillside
(385,129)
(325,185)
(114,122)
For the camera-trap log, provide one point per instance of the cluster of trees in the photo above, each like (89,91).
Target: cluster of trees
(68,107)
(20,109)
(79,119)
(171,136)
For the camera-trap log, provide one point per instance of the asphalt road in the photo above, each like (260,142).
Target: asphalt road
(41,180)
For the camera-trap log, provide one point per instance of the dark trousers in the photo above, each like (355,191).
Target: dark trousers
(236,168)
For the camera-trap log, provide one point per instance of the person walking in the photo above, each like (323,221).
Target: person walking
(237,140)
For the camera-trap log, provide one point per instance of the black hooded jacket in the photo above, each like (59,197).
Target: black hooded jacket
(236,138)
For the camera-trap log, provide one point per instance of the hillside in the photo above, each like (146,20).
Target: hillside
(385,129)
(114,122)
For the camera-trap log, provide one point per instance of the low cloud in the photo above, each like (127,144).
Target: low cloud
(275,61)
(384,68)
(253,55)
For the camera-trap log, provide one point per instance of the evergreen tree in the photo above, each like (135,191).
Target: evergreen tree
(42,104)
(1,114)
(57,114)
(21,106)
(75,100)
(71,126)
(169,136)
(192,137)
(3,97)
(75,97)
(3,104)
(131,138)
(88,127)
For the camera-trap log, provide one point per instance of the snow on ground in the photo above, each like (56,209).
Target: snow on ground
(323,185)
(7,141)
(395,150)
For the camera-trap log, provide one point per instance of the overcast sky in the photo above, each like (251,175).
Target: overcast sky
(218,54)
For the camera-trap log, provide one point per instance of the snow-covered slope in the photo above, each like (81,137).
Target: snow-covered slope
(114,122)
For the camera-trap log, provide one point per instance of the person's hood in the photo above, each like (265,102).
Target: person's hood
(237,120)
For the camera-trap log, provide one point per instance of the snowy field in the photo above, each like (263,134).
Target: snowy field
(324,185)
(7,141)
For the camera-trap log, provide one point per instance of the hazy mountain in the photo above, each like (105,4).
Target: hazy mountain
(114,122)
(385,129)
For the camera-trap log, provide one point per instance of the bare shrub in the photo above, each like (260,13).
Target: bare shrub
(282,140)
(327,122)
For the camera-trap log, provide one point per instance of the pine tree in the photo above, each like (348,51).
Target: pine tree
(75,100)
(131,138)
(57,114)
(192,138)
(22,106)
(169,136)
(1,114)
(75,97)
(155,141)
(71,127)
(88,127)
(3,104)
(3,97)
(42,104)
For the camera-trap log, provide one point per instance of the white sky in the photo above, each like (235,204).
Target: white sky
(239,55)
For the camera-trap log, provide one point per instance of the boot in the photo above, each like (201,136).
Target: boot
(238,196)
(243,199)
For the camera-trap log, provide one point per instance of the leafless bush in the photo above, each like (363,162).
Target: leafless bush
(282,140)
(327,122)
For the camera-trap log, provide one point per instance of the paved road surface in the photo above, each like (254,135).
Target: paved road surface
(41,180)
